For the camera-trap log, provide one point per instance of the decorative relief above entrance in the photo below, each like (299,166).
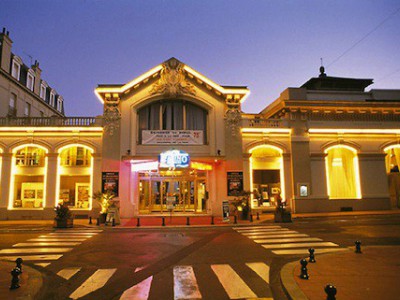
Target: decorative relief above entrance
(111,117)
(173,81)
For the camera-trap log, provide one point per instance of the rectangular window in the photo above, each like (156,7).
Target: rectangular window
(51,99)
(15,71)
(27,110)
(29,82)
(43,92)
(12,106)
(59,104)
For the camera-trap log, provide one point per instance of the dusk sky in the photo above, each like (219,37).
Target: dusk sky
(265,45)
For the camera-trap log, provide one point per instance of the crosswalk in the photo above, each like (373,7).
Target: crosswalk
(47,248)
(283,241)
(232,281)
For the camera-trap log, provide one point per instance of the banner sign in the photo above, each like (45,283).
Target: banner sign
(174,159)
(180,137)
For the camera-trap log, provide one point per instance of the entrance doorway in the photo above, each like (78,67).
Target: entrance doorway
(267,184)
(177,191)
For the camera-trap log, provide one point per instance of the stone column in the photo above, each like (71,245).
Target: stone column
(6,159)
(51,180)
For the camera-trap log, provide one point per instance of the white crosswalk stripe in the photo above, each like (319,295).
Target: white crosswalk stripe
(234,286)
(185,284)
(93,283)
(282,241)
(68,272)
(48,247)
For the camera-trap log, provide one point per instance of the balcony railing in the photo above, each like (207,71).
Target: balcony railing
(52,121)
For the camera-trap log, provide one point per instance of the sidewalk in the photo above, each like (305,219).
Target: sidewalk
(373,274)
(30,282)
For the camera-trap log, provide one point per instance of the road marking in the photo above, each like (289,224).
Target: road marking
(249,235)
(72,233)
(290,235)
(261,230)
(139,291)
(46,244)
(43,265)
(93,283)
(185,284)
(255,227)
(33,257)
(64,236)
(34,250)
(68,272)
(305,251)
(266,231)
(300,245)
(261,269)
(56,240)
(234,286)
(288,240)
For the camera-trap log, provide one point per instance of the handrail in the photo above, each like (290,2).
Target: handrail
(52,121)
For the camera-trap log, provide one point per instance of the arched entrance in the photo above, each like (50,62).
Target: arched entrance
(266,176)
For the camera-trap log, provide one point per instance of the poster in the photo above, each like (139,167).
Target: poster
(235,183)
(82,195)
(110,182)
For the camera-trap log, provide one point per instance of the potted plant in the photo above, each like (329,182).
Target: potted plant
(282,214)
(105,201)
(63,217)
(241,205)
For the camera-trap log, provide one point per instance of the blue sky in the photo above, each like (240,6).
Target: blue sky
(265,45)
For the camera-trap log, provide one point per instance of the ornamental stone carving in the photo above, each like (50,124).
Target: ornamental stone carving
(173,81)
(233,118)
(111,117)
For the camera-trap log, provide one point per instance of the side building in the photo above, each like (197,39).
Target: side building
(23,93)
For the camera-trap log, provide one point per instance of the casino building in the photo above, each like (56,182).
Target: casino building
(174,139)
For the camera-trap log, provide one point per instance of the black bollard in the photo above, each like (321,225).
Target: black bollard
(312,257)
(258,216)
(138,222)
(251,217)
(234,220)
(212,220)
(15,278)
(19,262)
(187,221)
(358,246)
(113,222)
(303,274)
(163,221)
(330,290)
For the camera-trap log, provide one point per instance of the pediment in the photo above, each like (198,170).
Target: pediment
(172,79)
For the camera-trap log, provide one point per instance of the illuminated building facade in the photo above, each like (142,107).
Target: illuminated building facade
(174,140)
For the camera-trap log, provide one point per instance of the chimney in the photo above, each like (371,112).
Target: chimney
(38,72)
(5,51)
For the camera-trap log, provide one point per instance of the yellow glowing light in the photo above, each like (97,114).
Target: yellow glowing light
(391,147)
(57,195)
(127,86)
(358,131)
(266,130)
(281,169)
(52,129)
(200,166)
(14,171)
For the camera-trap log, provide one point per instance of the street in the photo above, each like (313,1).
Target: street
(186,262)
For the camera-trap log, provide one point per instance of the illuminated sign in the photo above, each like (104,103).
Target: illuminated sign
(174,159)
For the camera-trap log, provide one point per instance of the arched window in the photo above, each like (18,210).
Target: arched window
(172,115)
(75,156)
(342,173)
(28,177)
(75,170)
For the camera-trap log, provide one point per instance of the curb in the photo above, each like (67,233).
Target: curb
(289,285)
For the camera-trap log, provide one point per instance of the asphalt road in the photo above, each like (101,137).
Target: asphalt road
(220,258)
